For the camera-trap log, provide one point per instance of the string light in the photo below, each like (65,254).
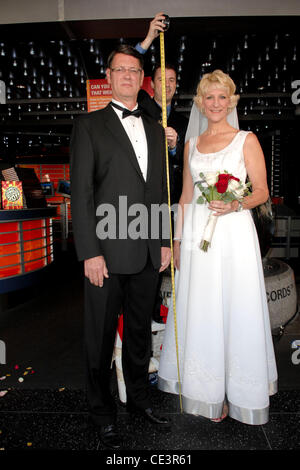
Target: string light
(267,54)
(295,54)
(34,76)
(61,49)
(31,51)
(259,63)
(14,56)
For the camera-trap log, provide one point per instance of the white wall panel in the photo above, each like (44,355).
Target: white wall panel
(31,11)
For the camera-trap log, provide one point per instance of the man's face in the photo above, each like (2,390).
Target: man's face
(125,77)
(170,85)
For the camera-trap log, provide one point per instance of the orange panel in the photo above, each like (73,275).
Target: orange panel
(9,227)
(31,245)
(9,237)
(8,260)
(32,255)
(31,234)
(10,249)
(27,225)
(13,271)
(35,265)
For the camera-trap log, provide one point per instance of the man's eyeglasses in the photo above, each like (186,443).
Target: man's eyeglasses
(121,70)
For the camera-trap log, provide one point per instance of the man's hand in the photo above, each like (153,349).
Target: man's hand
(171,136)
(155,27)
(165,258)
(95,270)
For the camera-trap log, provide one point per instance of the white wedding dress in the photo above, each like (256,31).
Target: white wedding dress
(224,336)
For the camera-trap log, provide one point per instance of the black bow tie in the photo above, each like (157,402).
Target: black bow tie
(126,112)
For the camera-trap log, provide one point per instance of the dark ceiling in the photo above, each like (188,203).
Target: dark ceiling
(45,67)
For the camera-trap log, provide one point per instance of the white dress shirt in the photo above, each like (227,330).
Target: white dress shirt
(134,128)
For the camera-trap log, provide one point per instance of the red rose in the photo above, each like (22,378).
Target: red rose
(222,183)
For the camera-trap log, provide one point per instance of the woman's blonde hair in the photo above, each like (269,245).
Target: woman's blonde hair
(220,80)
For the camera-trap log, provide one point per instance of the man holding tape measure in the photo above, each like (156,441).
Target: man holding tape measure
(177,123)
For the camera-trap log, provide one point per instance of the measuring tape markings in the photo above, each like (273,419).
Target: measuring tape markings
(164,123)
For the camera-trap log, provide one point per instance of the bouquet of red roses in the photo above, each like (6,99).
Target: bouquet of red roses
(218,186)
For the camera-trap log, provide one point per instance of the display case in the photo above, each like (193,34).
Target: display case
(26,246)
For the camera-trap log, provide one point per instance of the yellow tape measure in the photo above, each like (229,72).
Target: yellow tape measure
(164,123)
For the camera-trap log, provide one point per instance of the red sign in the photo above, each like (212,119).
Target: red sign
(12,195)
(98,94)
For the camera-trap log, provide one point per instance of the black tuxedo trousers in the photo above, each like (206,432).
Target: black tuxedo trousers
(134,296)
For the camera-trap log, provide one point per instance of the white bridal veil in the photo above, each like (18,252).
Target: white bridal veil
(198,122)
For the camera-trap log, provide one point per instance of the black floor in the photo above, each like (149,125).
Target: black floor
(42,329)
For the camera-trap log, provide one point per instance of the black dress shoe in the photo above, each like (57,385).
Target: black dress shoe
(153,418)
(149,415)
(109,436)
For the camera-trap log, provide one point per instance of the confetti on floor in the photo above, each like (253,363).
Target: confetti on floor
(27,371)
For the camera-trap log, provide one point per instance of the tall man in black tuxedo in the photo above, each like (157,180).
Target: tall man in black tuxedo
(113,156)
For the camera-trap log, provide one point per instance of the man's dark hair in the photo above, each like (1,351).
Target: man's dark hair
(168,65)
(128,50)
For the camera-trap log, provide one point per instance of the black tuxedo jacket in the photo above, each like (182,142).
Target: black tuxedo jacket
(103,168)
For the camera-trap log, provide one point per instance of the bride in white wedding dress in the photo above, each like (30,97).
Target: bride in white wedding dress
(226,357)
